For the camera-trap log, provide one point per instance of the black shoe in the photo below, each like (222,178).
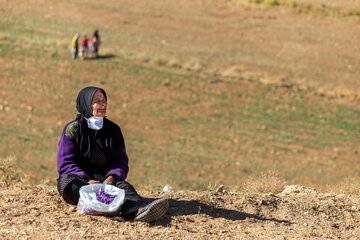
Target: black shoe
(153,211)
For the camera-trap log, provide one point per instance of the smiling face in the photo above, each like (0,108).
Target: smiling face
(99,104)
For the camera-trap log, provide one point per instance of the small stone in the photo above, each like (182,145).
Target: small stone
(72,209)
(166,188)
(7,108)
(240,227)
(118,218)
(220,188)
(1,107)
(30,108)
(271,194)
(166,82)
(299,189)
(35,212)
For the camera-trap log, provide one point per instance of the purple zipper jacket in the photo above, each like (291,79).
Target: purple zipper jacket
(67,155)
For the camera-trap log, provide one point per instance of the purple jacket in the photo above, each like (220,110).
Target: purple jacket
(67,155)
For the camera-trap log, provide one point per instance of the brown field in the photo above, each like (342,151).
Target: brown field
(252,94)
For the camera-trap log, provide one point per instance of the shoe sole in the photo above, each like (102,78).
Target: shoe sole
(157,209)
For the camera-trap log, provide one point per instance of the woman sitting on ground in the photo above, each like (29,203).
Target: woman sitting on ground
(92,150)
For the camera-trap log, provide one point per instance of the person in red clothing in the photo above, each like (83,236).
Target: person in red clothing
(84,46)
(85,42)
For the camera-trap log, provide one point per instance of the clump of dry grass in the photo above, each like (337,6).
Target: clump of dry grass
(347,186)
(266,2)
(159,61)
(174,63)
(233,72)
(9,173)
(350,12)
(271,2)
(265,183)
(193,65)
(319,9)
(255,1)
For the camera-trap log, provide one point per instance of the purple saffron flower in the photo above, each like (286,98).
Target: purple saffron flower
(103,197)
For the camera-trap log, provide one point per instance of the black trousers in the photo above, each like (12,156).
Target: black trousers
(70,184)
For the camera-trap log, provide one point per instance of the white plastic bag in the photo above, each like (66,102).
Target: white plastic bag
(90,47)
(89,202)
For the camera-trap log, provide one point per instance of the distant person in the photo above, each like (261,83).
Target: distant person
(96,41)
(75,45)
(84,46)
(92,150)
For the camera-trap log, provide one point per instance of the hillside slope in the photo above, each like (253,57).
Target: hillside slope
(286,41)
(37,212)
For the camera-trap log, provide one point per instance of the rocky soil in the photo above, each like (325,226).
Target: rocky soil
(37,212)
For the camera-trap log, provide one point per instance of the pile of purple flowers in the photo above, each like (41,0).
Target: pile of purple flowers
(104,197)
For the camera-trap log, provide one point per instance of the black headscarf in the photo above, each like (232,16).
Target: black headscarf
(96,34)
(84,99)
(85,136)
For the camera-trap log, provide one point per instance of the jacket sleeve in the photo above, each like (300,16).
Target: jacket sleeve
(120,162)
(66,156)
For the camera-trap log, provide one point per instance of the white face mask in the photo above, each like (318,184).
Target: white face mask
(95,123)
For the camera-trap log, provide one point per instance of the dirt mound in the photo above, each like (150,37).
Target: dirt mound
(37,212)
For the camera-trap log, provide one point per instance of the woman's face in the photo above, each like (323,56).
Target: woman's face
(99,104)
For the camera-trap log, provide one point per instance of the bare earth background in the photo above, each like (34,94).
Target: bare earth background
(252,94)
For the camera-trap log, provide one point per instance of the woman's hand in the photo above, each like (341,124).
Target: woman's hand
(110,180)
(92,181)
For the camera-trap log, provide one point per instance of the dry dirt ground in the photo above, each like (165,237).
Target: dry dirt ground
(37,212)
